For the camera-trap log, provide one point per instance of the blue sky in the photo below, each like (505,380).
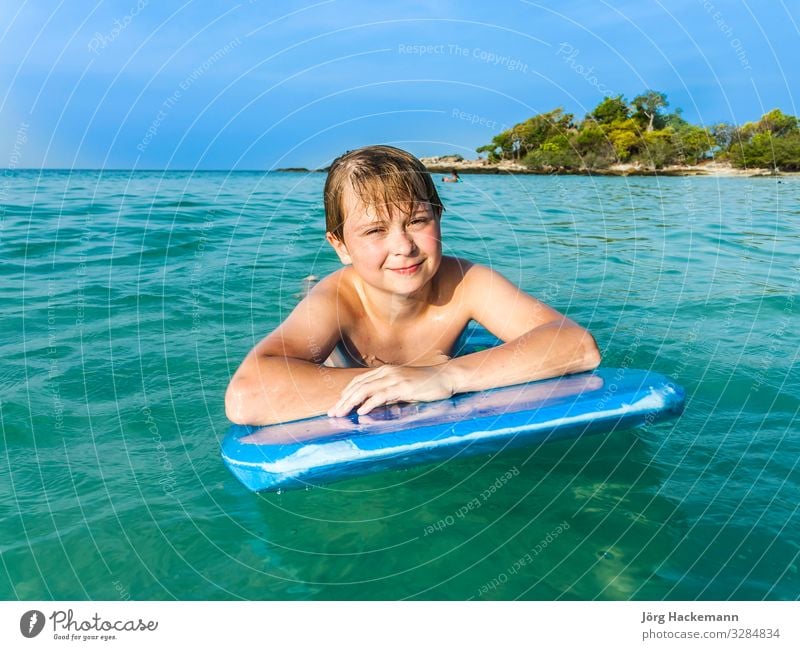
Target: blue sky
(259,85)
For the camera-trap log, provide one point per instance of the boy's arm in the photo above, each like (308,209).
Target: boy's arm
(282,378)
(539,343)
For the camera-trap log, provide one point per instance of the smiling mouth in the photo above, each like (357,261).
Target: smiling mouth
(408,270)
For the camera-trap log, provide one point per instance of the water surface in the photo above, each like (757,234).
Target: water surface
(129,298)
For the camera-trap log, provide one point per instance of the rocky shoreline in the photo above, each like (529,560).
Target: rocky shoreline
(447,164)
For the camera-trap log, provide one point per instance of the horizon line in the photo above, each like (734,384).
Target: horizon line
(155,169)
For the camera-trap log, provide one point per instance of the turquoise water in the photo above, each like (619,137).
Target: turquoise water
(128,300)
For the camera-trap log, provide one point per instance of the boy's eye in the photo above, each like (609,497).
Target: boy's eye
(373,231)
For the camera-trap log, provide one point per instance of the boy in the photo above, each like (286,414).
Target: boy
(396,309)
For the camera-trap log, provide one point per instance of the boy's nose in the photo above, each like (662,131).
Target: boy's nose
(402,243)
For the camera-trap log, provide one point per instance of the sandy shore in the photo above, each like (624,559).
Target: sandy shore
(446,164)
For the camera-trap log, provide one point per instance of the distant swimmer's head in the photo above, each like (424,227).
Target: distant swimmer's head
(382,178)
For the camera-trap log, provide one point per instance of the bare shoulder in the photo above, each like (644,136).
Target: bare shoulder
(500,305)
(479,279)
(327,288)
(455,265)
(467,280)
(333,302)
(313,325)
(337,292)
(452,272)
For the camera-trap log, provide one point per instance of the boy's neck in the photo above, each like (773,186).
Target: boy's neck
(391,308)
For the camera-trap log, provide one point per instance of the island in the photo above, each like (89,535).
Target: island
(640,137)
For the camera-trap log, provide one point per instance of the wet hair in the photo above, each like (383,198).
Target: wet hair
(381,176)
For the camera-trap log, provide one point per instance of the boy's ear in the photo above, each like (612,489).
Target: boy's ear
(340,248)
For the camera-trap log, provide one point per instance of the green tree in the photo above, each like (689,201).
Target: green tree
(593,147)
(758,151)
(611,109)
(625,138)
(554,153)
(648,109)
(675,120)
(533,132)
(768,151)
(787,152)
(772,142)
(693,143)
(659,148)
(523,138)
(724,135)
(777,123)
(501,147)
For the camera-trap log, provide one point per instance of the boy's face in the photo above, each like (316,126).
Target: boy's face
(389,249)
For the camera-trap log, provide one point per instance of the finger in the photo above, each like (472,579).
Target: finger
(337,409)
(359,388)
(348,390)
(362,393)
(378,399)
(348,401)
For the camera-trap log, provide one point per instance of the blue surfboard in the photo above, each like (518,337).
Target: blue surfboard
(318,450)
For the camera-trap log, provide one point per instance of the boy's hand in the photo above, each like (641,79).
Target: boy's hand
(389,384)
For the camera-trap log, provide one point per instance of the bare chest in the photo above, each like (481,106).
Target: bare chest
(427,342)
